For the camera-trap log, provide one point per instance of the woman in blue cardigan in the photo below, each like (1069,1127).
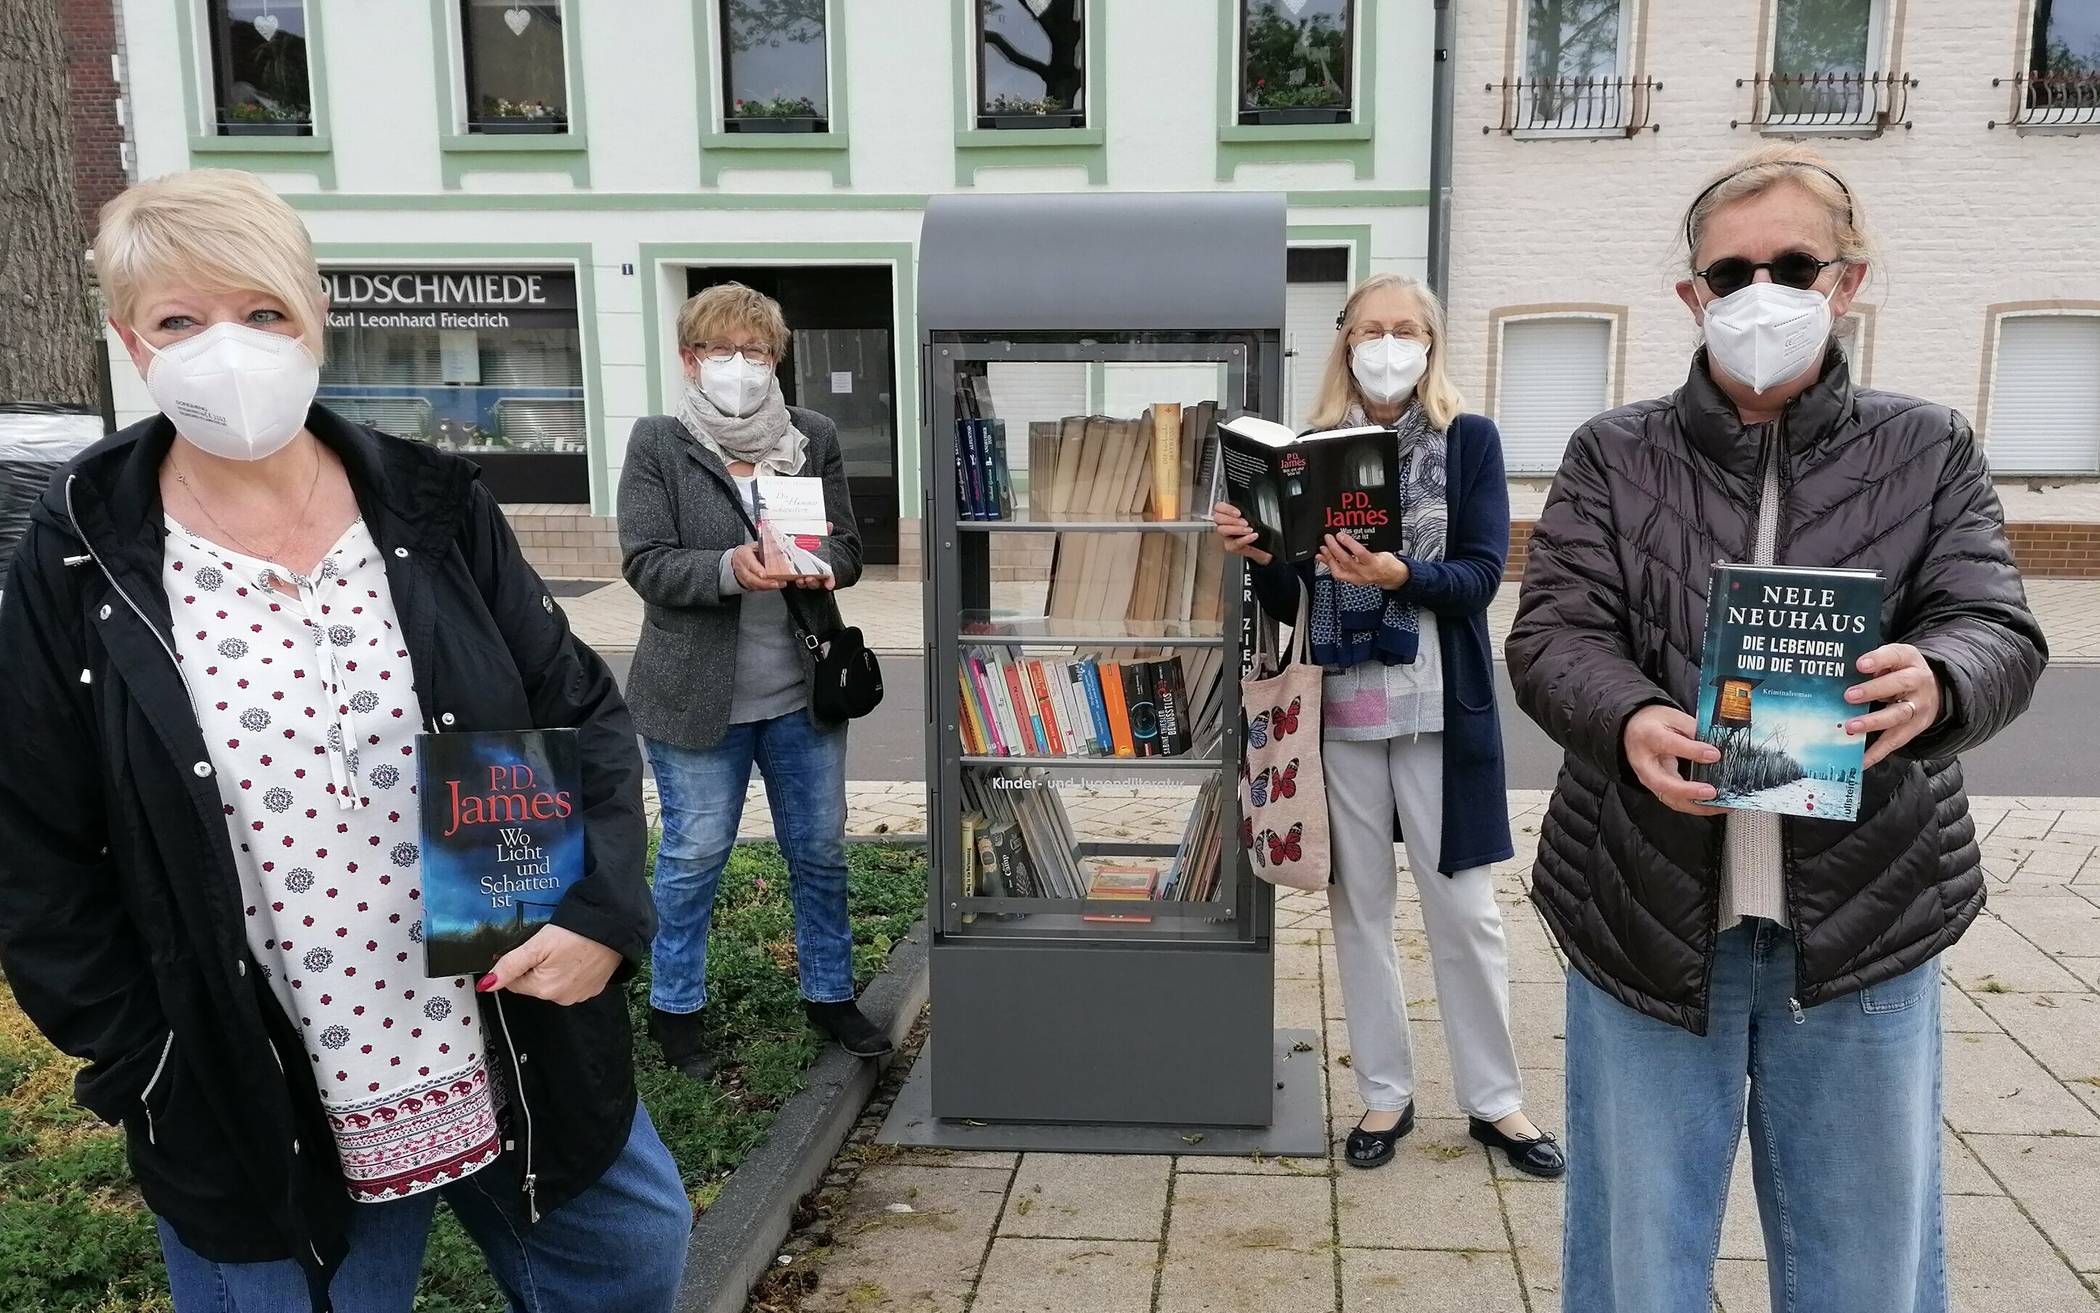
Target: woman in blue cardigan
(1409,733)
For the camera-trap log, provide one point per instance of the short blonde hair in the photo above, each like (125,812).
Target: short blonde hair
(1338,391)
(727,309)
(214,230)
(1777,165)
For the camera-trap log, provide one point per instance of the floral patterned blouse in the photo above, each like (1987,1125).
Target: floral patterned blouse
(307,700)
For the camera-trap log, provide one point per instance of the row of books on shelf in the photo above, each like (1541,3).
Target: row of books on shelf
(1089,467)
(984,485)
(1081,706)
(1018,842)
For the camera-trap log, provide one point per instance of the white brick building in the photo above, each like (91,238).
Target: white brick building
(1980,180)
(599,158)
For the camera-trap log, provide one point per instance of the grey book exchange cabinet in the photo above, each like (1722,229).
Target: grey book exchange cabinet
(1038,307)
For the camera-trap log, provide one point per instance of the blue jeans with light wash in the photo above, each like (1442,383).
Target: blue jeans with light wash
(620,1244)
(1844,1119)
(703,803)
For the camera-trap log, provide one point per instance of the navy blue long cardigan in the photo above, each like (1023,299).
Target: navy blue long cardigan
(1457,590)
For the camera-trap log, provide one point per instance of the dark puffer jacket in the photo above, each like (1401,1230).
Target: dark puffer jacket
(1610,620)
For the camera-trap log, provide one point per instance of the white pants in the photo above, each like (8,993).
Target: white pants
(1367,784)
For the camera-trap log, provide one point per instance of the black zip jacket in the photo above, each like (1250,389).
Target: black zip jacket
(121,923)
(1649,498)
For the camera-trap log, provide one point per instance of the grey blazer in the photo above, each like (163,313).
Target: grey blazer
(678,515)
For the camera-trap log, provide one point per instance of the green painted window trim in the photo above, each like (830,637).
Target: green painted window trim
(598,443)
(314,154)
(904,282)
(828,151)
(1348,143)
(1045,148)
(1355,236)
(462,153)
(1340,198)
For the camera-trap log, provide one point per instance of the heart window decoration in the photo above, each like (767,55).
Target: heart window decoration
(517,18)
(1297,7)
(266,24)
(1037,7)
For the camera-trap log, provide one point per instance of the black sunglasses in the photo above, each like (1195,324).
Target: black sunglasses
(1731,274)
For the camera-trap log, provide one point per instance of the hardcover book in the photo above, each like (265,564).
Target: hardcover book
(1782,646)
(1297,488)
(502,830)
(792,524)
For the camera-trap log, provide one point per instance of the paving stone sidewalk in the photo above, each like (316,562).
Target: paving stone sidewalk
(890,613)
(1447,1229)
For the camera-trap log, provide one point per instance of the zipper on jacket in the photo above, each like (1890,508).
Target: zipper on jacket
(1793,1005)
(136,609)
(159,1069)
(517,1067)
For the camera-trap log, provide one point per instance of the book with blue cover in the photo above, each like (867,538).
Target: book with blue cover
(1782,645)
(502,832)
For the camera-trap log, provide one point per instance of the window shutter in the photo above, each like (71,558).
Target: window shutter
(1308,331)
(1555,377)
(2045,396)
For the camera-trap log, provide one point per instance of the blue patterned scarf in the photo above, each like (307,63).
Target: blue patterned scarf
(1352,623)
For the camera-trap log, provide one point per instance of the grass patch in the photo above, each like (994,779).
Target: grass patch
(75,1238)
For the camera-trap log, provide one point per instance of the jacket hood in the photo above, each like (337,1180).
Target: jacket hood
(115,484)
(1709,419)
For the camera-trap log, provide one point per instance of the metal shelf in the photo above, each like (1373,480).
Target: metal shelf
(991,629)
(1189,762)
(1069,525)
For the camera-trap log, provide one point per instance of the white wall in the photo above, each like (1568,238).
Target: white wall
(1968,216)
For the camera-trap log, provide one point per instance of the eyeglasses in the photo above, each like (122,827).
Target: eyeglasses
(754,352)
(1371,332)
(1731,274)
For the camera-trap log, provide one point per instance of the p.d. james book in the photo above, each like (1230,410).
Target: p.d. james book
(1782,646)
(502,821)
(1297,488)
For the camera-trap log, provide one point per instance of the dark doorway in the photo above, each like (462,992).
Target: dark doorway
(841,363)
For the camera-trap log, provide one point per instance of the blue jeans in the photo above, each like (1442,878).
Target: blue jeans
(703,802)
(620,1244)
(1844,1117)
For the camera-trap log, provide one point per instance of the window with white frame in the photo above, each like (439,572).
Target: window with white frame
(259,68)
(514,60)
(775,75)
(1031,63)
(2045,395)
(1554,377)
(2062,84)
(1295,60)
(1572,76)
(1826,62)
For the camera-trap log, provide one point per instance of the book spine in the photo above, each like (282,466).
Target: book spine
(1097,707)
(1002,706)
(1024,707)
(1002,474)
(1054,674)
(980,493)
(1039,690)
(1709,660)
(1142,698)
(993,878)
(1166,460)
(972,734)
(1082,710)
(1118,709)
(969,864)
(1013,861)
(1168,701)
(963,509)
(986,712)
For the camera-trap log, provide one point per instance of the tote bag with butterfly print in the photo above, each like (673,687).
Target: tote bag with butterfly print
(1283,795)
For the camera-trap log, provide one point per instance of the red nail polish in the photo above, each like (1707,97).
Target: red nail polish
(486,984)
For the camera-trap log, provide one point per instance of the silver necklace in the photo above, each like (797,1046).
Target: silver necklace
(271,556)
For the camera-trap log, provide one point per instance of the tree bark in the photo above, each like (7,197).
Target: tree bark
(49,335)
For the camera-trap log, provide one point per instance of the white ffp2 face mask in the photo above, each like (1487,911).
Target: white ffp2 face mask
(1387,368)
(234,391)
(1768,333)
(735,385)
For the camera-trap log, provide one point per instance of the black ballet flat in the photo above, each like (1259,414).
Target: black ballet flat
(1368,1149)
(1541,1157)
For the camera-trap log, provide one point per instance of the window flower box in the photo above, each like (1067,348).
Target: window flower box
(780,114)
(1011,113)
(800,123)
(250,119)
(504,118)
(1283,117)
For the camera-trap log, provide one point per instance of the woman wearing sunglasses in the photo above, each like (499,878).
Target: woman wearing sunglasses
(1724,957)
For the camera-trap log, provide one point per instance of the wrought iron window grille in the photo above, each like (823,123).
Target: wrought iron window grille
(1587,105)
(1875,101)
(2051,99)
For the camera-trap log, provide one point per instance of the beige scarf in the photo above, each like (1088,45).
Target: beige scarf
(766,439)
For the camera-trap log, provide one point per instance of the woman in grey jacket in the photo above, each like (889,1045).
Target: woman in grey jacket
(712,609)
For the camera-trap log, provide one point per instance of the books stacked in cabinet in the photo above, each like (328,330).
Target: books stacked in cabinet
(1100,949)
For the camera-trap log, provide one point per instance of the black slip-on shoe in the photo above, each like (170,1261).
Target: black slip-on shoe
(845,1023)
(685,1050)
(1541,1157)
(1369,1149)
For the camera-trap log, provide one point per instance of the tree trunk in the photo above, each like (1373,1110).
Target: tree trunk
(48,331)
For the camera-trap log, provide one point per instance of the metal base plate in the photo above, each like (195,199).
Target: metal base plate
(1299,1131)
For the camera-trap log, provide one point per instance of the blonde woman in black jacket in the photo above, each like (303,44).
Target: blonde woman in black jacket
(224,630)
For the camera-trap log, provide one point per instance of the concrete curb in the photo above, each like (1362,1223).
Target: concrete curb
(736,1239)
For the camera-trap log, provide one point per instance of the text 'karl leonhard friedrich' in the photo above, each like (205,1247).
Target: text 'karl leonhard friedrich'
(1787,608)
